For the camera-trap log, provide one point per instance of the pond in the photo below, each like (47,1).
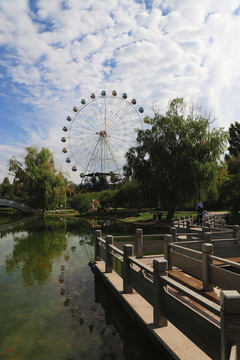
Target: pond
(50,307)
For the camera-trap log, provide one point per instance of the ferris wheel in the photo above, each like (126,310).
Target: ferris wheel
(100,132)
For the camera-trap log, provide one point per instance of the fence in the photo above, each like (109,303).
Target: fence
(142,244)
(217,334)
(200,263)
(216,233)
(213,221)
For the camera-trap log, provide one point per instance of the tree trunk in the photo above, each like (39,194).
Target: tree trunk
(170,214)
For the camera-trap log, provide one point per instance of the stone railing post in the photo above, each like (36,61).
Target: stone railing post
(188,226)
(223,224)
(172,222)
(236,233)
(139,243)
(183,221)
(127,251)
(98,234)
(159,269)
(108,263)
(167,250)
(205,230)
(204,220)
(207,237)
(212,218)
(230,323)
(173,232)
(208,225)
(207,250)
(192,219)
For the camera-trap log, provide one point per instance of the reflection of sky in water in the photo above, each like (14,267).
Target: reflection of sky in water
(47,296)
(6,244)
(50,312)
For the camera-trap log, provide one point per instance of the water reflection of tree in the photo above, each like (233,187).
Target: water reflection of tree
(78,226)
(38,242)
(34,253)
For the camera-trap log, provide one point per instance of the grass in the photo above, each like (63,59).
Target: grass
(147,216)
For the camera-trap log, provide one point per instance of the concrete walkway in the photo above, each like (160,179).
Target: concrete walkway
(176,343)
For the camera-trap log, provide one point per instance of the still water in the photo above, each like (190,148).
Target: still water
(50,304)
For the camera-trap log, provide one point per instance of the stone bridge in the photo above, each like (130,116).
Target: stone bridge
(11,203)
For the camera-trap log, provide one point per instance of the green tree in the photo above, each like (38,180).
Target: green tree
(113,177)
(106,198)
(177,159)
(94,181)
(45,187)
(230,186)
(130,194)
(234,140)
(6,188)
(81,203)
(102,179)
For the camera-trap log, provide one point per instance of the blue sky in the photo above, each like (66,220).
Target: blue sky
(53,53)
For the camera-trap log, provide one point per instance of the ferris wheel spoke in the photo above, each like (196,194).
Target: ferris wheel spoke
(110,109)
(129,122)
(124,144)
(123,134)
(81,135)
(94,156)
(111,151)
(123,128)
(97,114)
(91,117)
(122,112)
(80,141)
(89,122)
(84,161)
(119,147)
(123,137)
(82,132)
(82,146)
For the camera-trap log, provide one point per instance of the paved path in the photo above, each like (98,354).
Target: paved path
(179,346)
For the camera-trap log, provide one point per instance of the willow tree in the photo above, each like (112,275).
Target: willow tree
(44,185)
(177,158)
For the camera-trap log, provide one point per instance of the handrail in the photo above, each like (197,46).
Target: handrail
(190,234)
(125,237)
(210,305)
(116,250)
(233,354)
(102,240)
(190,242)
(141,265)
(225,261)
(154,235)
(224,231)
(222,240)
(181,247)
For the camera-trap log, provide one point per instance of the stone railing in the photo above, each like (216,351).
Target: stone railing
(218,335)
(200,263)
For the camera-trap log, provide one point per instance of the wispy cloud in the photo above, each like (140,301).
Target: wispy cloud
(55,52)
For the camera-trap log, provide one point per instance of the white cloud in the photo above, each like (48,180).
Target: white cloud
(66,50)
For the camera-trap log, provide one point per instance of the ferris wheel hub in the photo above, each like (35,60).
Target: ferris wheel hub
(103,134)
